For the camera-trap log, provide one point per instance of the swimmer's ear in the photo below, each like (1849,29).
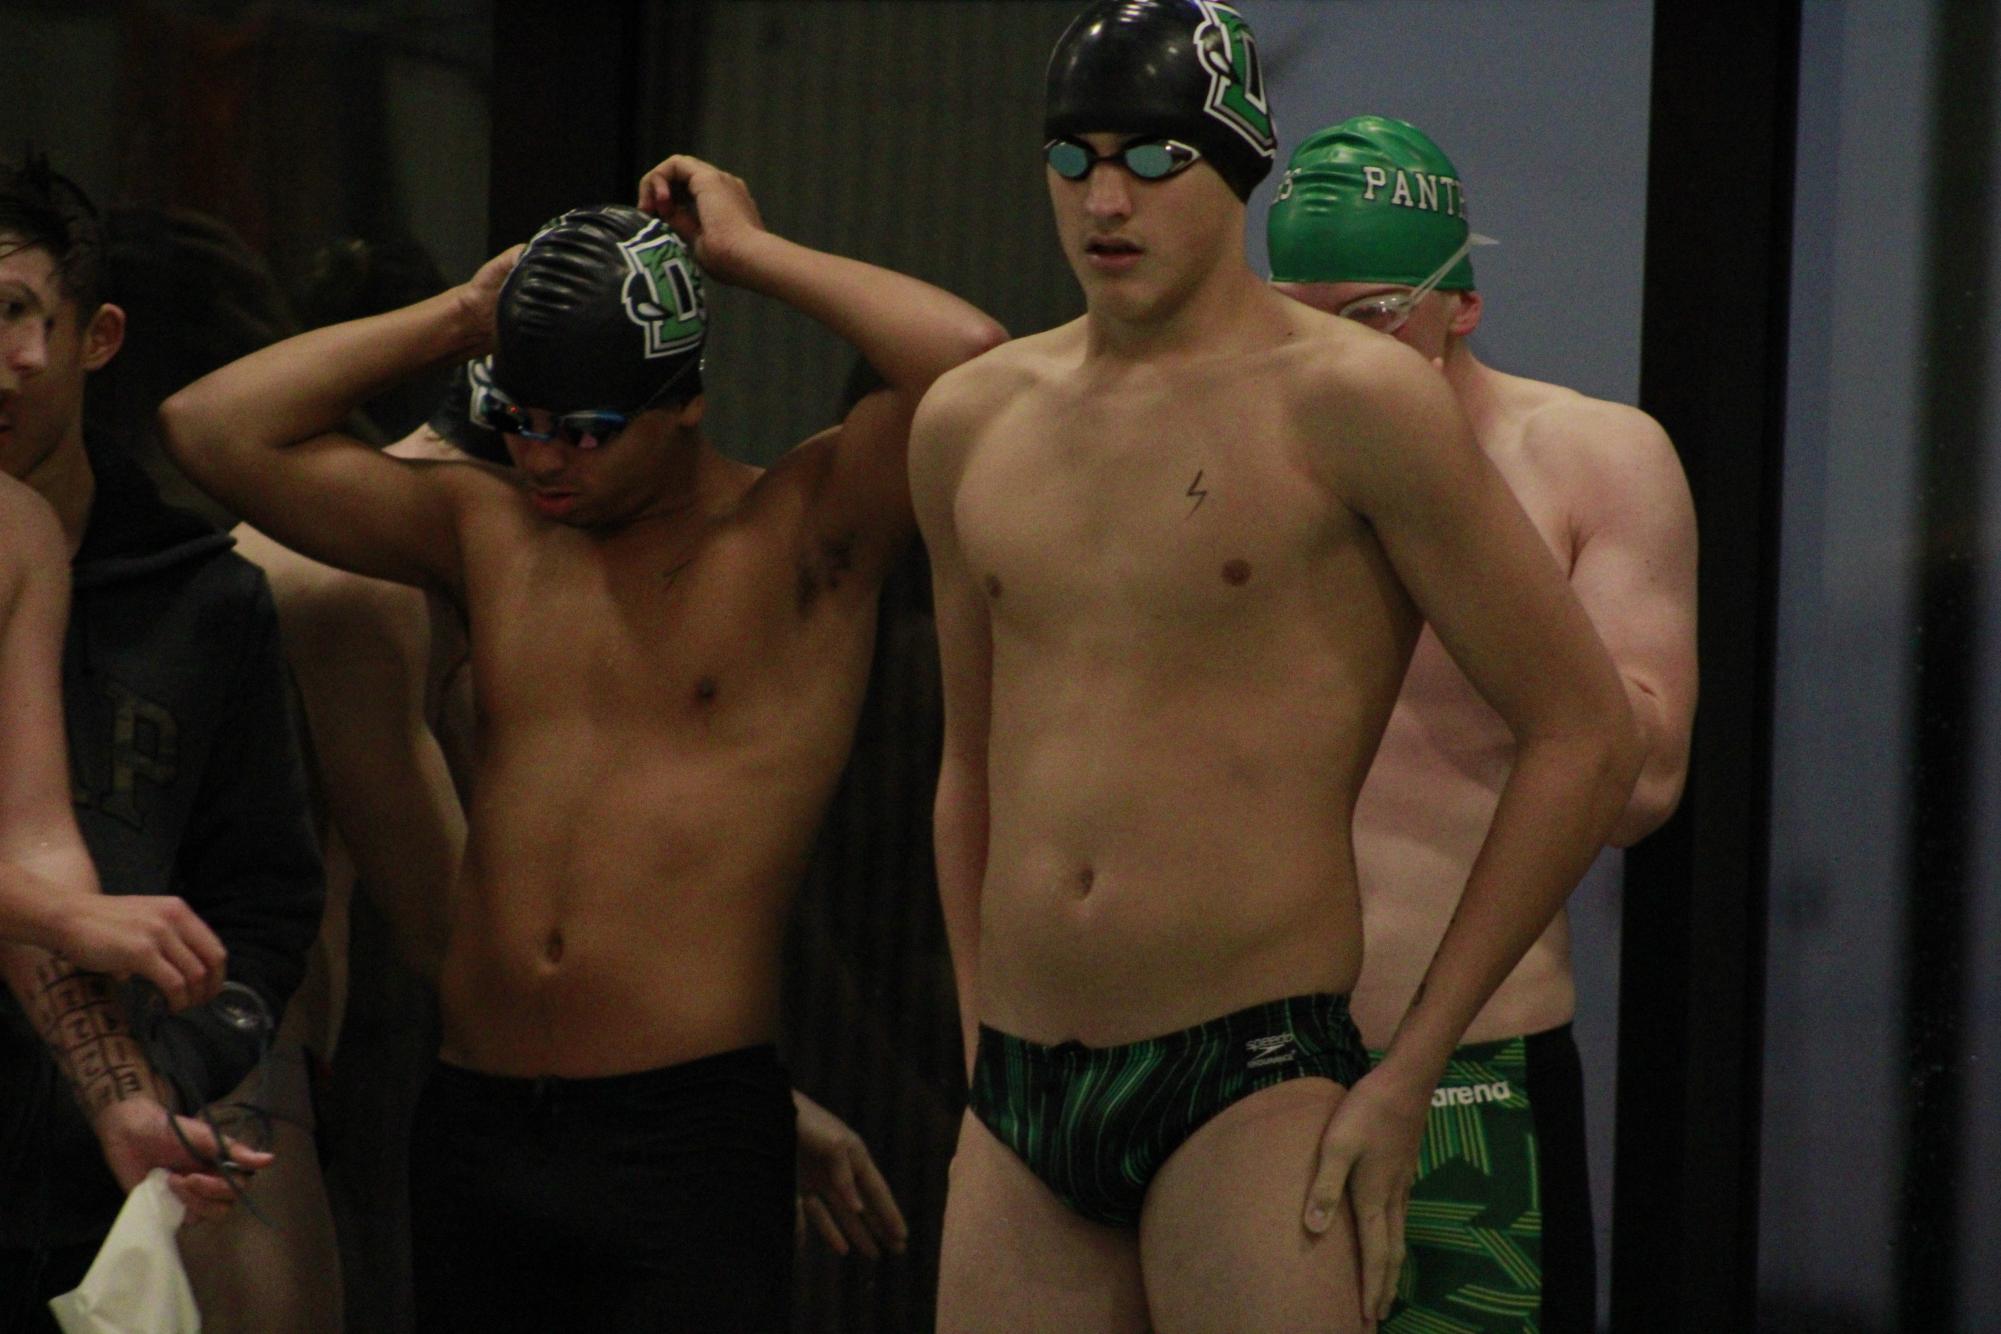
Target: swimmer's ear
(103,335)
(1465,313)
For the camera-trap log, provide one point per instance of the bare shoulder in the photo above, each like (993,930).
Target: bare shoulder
(1612,452)
(973,391)
(967,399)
(1361,402)
(1567,420)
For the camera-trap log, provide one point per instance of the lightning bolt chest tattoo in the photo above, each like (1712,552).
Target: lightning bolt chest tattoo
(1197,492)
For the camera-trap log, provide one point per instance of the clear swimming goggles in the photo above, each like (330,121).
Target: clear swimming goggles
(1387,312)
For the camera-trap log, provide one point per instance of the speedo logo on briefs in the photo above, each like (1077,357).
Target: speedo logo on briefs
(1224,45)
(1274,1050)
(1465,1095)
(663,291)
(1430,191)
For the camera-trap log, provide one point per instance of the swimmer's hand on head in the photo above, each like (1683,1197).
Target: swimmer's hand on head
(1368,1161)
(711,210)
(479,297)
(841,1193)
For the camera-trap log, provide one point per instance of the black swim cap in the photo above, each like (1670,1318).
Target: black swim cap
(604,311)
(1177,69)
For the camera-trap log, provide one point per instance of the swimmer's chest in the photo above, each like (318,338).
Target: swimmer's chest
(1196,514)
(656,633)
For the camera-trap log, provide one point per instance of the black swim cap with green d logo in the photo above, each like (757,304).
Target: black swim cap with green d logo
(1171,69)
(604,311)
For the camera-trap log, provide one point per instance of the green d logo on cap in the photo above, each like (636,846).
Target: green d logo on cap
(663,294)
(1371,200)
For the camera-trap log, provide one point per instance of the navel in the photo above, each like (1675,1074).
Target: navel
(552,949)
(1236,572)
(705,689)
(1085,879)
(993,586)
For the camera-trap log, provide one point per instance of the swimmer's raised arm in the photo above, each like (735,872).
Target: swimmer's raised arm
(1479,573)
(939,439)
(909,331)
(262,435)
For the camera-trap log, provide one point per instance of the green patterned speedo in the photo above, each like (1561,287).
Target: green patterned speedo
(1095,1123)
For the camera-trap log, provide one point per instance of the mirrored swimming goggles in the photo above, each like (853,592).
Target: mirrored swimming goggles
(1148,159)
(590,428)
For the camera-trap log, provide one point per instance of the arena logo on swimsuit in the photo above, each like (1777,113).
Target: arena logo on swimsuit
(1434,194)
(1468,1094)
(663,295)
(1236,80)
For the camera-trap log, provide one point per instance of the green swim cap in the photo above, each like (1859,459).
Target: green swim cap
(1371,200)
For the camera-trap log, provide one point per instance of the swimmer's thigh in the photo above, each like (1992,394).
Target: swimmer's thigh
(1016,1260)
(252,1276)
(1221,1242)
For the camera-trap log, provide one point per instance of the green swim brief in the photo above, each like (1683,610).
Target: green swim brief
(1095,1123)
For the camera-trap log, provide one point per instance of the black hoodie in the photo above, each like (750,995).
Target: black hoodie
(186,773)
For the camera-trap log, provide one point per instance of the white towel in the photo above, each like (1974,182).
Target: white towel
(136,1285)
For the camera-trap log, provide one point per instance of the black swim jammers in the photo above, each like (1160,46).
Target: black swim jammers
(1096,1123)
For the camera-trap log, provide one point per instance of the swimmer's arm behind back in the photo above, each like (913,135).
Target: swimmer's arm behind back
(260,435)
(1634,572)
(941,437)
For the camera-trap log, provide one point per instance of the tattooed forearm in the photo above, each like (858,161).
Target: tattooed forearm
(80,1017)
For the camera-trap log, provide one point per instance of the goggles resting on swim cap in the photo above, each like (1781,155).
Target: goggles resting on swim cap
(1148,159)
(1185,70)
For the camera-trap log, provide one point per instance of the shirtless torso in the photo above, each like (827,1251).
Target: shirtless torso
(662,713)
(1195,646)
(1601,483)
